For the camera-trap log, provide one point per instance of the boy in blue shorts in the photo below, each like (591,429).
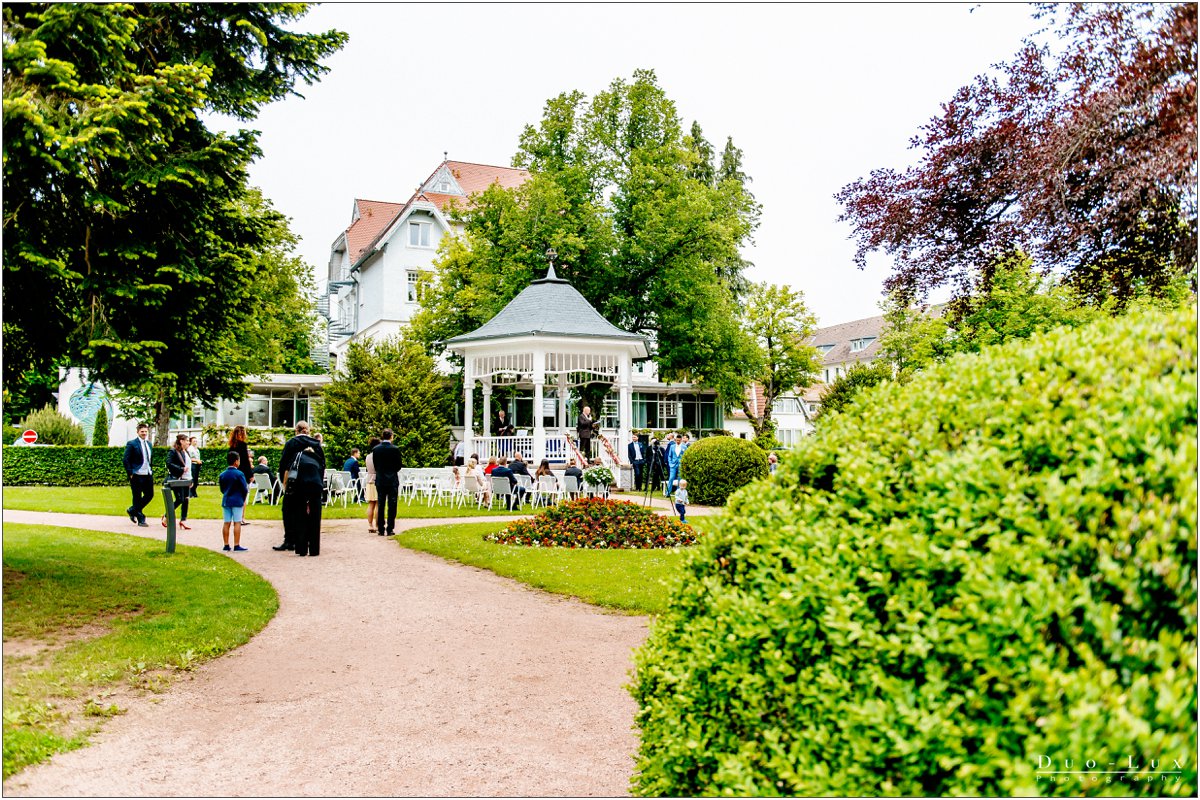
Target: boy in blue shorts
(681,500)
(233,500)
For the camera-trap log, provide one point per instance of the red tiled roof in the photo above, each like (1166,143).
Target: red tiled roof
(373,217)
(474,178)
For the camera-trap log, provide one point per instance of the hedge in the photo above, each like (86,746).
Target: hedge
(718,466)
(953,585)
(102,466)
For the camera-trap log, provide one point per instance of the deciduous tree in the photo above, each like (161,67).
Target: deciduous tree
(1081,154)
(780,325)
(619,192)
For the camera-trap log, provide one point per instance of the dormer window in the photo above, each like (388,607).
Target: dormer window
(857,345)
(825,348)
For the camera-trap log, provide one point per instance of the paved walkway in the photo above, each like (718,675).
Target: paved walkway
(386,672)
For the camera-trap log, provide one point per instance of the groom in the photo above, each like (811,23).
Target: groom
(141,479)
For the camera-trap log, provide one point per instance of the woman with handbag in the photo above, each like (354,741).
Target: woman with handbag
(179,466)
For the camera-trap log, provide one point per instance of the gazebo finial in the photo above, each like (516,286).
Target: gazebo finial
(550,256)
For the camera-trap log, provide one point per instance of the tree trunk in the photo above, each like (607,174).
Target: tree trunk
(162,422)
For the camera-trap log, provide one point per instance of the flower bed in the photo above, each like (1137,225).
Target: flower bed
(596,524)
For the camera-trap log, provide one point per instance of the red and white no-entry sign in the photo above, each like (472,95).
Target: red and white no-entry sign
(29,437)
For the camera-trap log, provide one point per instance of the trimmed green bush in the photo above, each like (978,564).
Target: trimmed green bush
(53,427)
(955,584)
(102,466)
(718,466)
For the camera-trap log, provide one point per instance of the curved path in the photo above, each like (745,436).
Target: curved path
(386,672)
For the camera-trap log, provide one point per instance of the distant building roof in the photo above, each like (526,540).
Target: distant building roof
(548,307)
(837,341)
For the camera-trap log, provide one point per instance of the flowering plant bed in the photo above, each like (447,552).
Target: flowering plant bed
(597,524)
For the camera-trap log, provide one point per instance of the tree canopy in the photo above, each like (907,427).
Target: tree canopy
(646,224)
(390,383)
(780,325)
(121,207)
(1081,154)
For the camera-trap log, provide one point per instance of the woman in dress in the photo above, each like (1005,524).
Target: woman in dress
(372,492)
(179,465)
(237,443)
(485,485)
(491,465)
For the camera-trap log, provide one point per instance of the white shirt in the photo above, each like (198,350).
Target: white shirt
(144,467)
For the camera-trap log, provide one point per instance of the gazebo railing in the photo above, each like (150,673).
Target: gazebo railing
(496,446)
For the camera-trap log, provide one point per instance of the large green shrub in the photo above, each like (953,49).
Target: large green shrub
(718,466)
(102,466)
(954,584)
(53,428)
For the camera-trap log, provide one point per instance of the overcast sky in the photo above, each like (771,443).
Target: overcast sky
(815,95)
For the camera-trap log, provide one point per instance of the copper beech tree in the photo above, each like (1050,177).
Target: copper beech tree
(1080,151)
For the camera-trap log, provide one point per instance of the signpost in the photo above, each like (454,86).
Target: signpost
(29,437)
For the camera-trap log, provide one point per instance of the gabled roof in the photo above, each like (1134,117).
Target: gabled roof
(371,218)
(474,178)
(840,337)
(547,307)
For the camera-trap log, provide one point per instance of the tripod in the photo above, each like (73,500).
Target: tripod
(653,463)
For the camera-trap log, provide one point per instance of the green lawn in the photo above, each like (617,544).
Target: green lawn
(113,500)
(86,612)
(633,581)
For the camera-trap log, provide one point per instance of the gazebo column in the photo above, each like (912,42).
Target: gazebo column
(539,425)
(487,407)
(468,405)
(624,408)
(562,400)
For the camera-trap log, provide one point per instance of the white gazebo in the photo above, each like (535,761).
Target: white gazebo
(548,336)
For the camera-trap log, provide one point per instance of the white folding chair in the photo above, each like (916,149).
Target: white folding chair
(501,489)
(445,489)
(571,487)
(262,486)
(339,488)
(547,490)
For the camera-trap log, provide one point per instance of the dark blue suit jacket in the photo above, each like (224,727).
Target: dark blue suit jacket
(133,455)
(505,472)
(633,459)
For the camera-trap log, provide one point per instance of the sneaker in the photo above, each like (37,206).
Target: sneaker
(226,548)
(241,549)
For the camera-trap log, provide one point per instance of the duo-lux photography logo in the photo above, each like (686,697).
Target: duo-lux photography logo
(1126,769)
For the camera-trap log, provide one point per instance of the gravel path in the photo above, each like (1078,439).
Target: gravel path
(386,672)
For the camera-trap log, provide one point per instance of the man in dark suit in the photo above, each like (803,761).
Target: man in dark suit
(264,469)
(503,426)
(141,477)
(585,428)
(386,458)
(637,457)
(351,466)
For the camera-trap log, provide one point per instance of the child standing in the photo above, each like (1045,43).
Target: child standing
(681,501)
(233,500)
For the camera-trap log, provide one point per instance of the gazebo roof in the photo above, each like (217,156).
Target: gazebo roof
(547,307)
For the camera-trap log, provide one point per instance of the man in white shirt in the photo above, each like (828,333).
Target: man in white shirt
(141,478)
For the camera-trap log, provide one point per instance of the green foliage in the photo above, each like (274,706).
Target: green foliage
(780,325)
(387,384)
(993,562)
(718,466)
(597,524)
(53,427)
(100,429)
(641,230)
(255,437)
(147,247)
(102,466)
(149,614)
(846,388)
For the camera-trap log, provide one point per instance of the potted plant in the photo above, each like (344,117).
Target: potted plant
(598,476)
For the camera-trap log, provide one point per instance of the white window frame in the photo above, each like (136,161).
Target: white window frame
(423,234)
(413,277)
